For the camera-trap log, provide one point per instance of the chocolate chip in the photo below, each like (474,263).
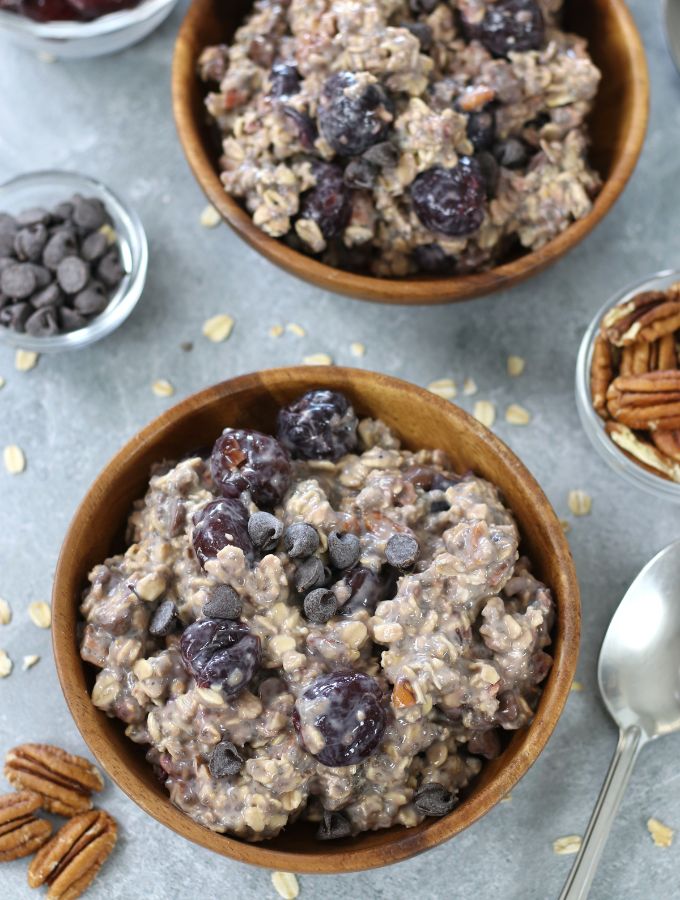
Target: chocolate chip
(344,549)
(15,315)
(6,243)
(70,319)
(385,155)
(92,300)
(402,550)
(110,268)
(434,800)
(94,246)
(49,296)
(88,213)
(29,242)
(35,216)
(72,274)
(43,276)
(300,540)
(225,760)
(223,603)
(18,281)
(320,606)
(309,574)
(62,212)
(164,619)
(8,224)
(333,827)
(42,323)
(59,246)
(265,531)
(6,261)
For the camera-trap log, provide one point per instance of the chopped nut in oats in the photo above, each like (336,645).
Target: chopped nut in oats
(14,459)
(218,328)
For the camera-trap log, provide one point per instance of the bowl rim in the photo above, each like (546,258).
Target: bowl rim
(402,290)
(406,843)
(68,30)
(127,294)
(592,424)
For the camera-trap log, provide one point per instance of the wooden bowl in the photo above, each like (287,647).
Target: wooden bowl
(617,127)
(422,420)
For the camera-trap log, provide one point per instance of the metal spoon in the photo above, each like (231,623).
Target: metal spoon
(672,23)
(639,676)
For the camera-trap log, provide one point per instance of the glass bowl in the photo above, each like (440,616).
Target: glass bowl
(592,423)
(48,189)
(78,40)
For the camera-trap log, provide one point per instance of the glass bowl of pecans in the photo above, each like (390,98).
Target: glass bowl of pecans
(628,383)
(73,261)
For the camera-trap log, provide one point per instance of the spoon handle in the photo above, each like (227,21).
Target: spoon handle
(581,876)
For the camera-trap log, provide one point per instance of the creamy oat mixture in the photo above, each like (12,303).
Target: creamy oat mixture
(322,626)
(396,136)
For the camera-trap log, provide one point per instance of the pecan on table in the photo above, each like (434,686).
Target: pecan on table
(69,863)
(64,781)
(21,832)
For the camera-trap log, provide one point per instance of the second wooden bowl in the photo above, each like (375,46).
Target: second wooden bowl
(422,420)
(617,127)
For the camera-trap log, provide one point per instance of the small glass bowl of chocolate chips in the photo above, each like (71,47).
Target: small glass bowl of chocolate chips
(628,383)
(73,261)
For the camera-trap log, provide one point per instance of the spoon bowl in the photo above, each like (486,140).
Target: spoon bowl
(639,669)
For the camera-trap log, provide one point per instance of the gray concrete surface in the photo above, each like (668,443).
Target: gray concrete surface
(111,118)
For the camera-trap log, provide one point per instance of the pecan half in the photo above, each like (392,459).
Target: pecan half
(403,695)
(601,375)
(636,359)
(647,317)
(21,833)
(667,353)
(643,453)
(647,401)
(668,443)
(74,856)
(63,781)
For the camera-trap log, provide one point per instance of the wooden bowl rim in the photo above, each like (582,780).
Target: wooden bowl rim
(402,843)
(407,291)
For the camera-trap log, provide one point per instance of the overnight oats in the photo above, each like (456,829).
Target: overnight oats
(320,626)
(404,136)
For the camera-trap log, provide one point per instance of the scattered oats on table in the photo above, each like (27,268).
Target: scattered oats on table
(29,661)
(469,387)
(317,359)
(5,612)
(5,664)
(565,846)
(218,328)
(517,415)
(516,366)
(485,412)
(661,834)
(210,218)
(14,459)
(580,503)
(565,525)
(276,331)
(443,387)
(24,360)
(296,329)
(40,613)
(576,687)
(356,348)
(2,382)
(286,885)
(162,388)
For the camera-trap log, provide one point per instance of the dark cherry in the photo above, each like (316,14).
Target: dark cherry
(329,202)
(348,709)
(221,523)
(319,425)
(451,201)
(284,79)
(244,460)
(221,652)
(45,10)
(367,588)
(353,117)
(509,26)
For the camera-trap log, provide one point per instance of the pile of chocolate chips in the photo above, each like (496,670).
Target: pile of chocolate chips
(58,268)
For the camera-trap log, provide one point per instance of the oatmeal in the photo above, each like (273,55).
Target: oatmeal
(320,625)
(398,136)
